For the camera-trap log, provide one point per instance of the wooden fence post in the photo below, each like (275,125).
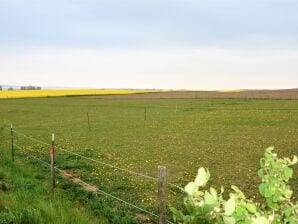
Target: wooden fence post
(88,121)
(145,114)
(52,155)
(12,144)
(161,194)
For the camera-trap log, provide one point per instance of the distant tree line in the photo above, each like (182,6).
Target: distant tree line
(24,88)
(30,88)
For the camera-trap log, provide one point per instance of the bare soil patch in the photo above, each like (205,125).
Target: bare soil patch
(78,181)
(246,94)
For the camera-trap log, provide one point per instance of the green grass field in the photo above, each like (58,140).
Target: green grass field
(228,136)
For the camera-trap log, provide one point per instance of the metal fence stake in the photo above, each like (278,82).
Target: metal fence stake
(12,144)
(52,155)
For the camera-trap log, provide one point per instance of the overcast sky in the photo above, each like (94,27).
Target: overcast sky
(169,44)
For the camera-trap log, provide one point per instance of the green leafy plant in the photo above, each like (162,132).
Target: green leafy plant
(210,206)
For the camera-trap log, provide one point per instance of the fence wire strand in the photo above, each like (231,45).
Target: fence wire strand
(31,138)
(32,156)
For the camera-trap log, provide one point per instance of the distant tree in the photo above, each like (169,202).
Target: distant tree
(10,89)
(0,88)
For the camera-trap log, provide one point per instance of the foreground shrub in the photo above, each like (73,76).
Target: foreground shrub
(204,207)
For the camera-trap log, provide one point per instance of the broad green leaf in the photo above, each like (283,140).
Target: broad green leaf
(190,188)
(198,194)
(270,149)
(261,173)
(210,199)
(251,208)
(271,189)
(213,192)
(288,211)
(288,172)
(229,220)
(240,211)
(294,161)
(260,220)
(230,206)
(262,188)
(288,193)
(202,177)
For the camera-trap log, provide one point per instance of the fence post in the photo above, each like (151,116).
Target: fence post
(52,155)
(145,114)
(161,194)
(88,121)
(12,144)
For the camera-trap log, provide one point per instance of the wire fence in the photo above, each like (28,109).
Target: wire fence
(28,155)
(98,190)
(97,161)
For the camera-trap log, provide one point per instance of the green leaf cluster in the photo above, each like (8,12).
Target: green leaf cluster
(210,206)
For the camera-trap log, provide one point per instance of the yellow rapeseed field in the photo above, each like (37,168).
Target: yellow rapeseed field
(5,94)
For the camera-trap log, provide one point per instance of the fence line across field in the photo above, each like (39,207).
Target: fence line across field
(98,190)
(97,161)
(160,180)
(189,107)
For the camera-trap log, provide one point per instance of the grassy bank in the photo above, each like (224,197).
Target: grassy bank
(25,197)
